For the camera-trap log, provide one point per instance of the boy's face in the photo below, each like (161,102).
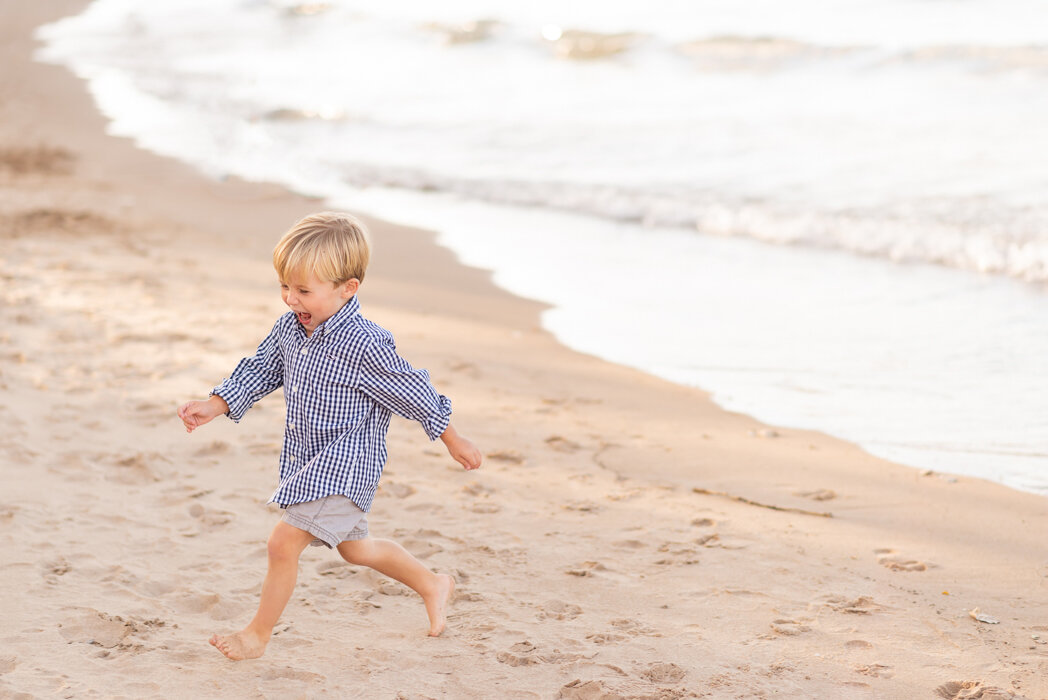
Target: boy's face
(314,300)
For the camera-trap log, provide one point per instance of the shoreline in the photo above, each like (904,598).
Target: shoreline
(170,282)
(902,359)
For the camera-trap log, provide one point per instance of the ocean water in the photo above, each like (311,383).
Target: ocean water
(832,215)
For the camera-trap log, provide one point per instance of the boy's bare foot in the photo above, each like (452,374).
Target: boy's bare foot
(437,604)
(239,646)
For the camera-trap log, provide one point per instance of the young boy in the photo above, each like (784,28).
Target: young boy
(342,379)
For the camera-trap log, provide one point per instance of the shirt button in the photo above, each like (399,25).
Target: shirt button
(291,458)
(304,351)
(291,426)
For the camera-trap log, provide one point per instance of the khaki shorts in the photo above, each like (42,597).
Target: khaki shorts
(331,520)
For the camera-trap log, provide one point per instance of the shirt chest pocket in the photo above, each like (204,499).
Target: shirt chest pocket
(334,374)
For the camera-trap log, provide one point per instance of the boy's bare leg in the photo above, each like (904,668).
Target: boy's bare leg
(286,543)
(389,558)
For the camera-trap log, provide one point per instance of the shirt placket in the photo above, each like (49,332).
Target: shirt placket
(297,426)
(309,354)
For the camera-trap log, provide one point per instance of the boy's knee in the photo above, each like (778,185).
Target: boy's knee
(282,547)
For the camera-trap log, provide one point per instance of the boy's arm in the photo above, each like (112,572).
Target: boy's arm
(388,379)
(394,384)
(253,377)
(195,413)
(462,450)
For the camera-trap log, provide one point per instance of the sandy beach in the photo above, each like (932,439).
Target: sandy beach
(625,538)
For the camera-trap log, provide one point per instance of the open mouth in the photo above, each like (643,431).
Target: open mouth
(304,318)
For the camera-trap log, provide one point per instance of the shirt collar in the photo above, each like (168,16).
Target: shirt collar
(348,311)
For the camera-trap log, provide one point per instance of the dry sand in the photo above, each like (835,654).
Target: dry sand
(588,565)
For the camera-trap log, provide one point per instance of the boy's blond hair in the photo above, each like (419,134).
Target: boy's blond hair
(332,245)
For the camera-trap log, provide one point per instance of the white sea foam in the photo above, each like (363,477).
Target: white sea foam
(739,119)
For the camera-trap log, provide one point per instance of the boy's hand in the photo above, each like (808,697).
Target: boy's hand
(195,413)
(461,450)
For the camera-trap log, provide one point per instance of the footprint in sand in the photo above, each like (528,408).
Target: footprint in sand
(664,672)
(710,541)
(588,690)
(108,631)
(604,638)
(562,444)
(97,628)
(962,690)
(480,491)
(56,567)
(680,554)
(789,628)
(520,654)
(337,568)
(875,670)
(586,568)
(475,488)
(526,654)
(205,520)
(558,610)
(508,456)
(863,605)
(893,560)
(210,518)
(136,469)
(634,628)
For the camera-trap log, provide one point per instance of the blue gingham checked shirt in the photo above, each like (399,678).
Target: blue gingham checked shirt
(341,386)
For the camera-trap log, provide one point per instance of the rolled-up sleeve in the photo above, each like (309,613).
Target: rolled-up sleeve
(253,377)
(391,382)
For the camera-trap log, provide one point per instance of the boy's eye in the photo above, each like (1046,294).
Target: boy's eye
(303,292)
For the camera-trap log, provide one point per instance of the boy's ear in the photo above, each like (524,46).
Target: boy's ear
(350,287)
